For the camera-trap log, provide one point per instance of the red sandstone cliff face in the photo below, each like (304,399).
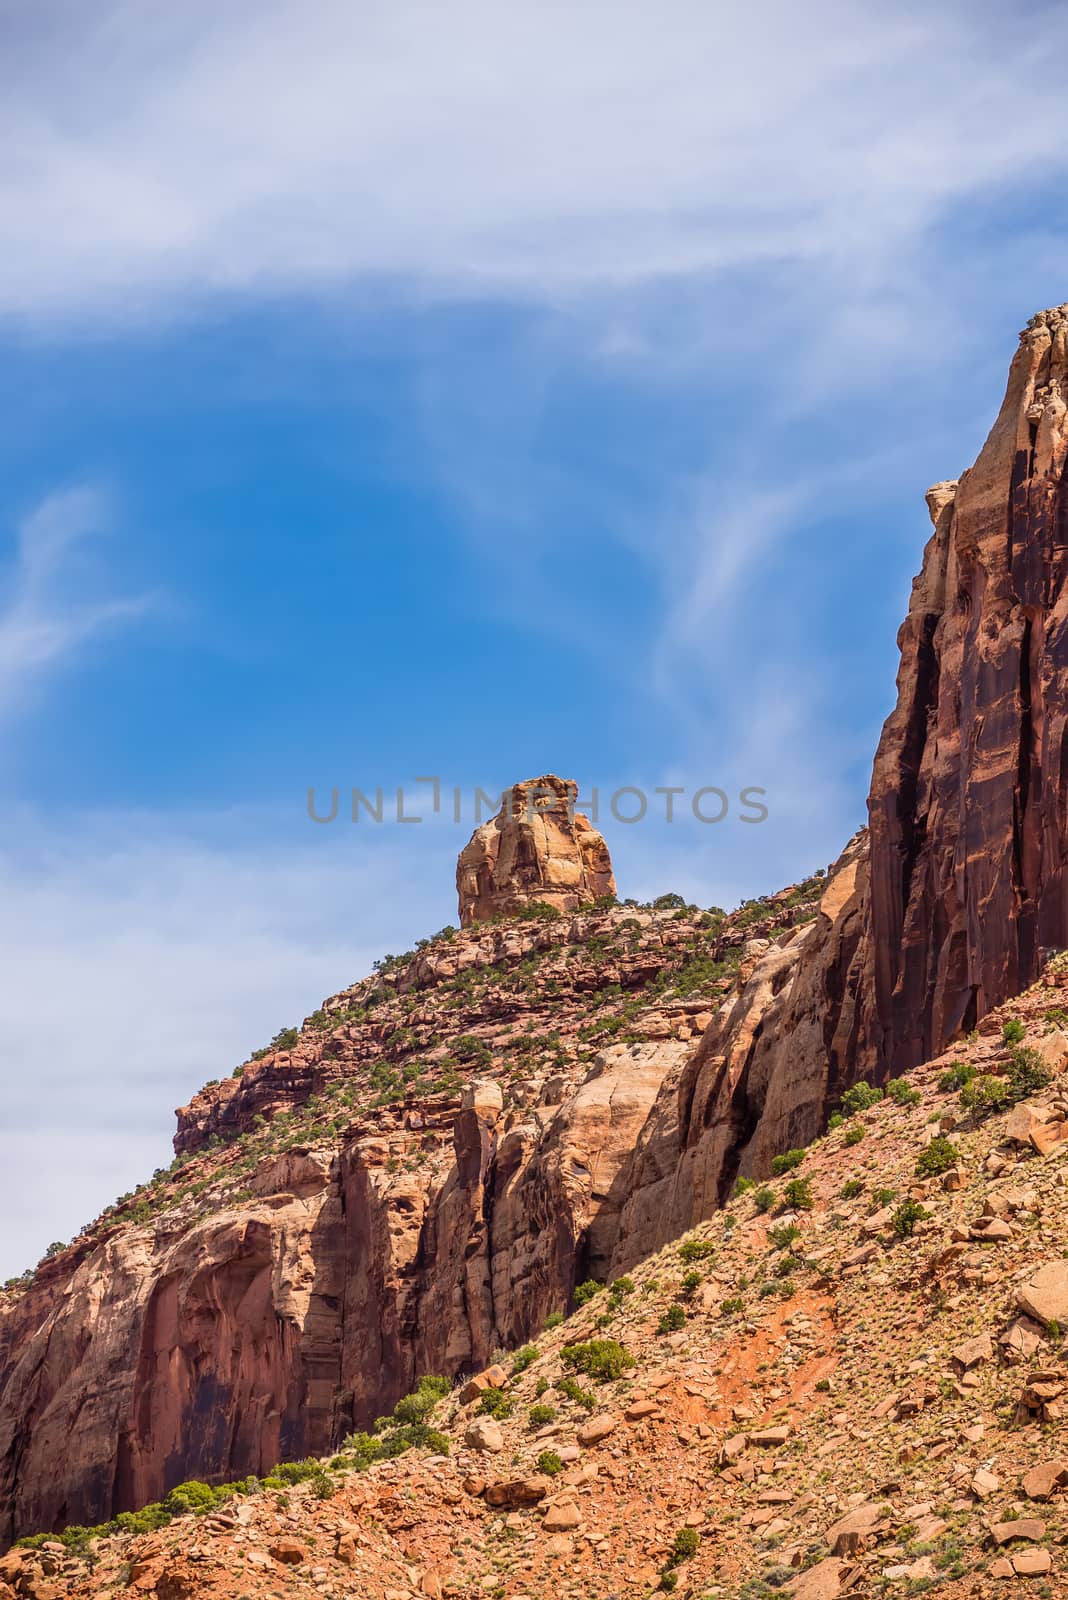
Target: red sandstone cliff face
(767,1072)
(969,833)
(266,1330)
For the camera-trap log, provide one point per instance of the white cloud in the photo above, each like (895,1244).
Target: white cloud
(148,155)
(48,610)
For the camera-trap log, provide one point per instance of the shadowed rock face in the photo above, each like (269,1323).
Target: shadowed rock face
(970,783)
(537,848)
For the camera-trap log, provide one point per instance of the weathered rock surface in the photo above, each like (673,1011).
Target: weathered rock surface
(537,848)
(774,1059)
(969,798)
(264,1332)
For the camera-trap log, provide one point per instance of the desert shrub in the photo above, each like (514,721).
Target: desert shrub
(851,1188)
(673,1319)
(495,1403)
(685,1545)
(732,1305)
(902,1093)
(537,911)
(584,1292)
(783,1235)
(194,1497)
(601,1359)
(956,1075)
(743,1186)
(787,1162)
(524,1358)
(861,1097)
(1027,1073)
(908,1213)
(691,1282)
(619,1288)
(549,1463)
(416,1407)
(938,1157)
(571,1390)
(1013,1031)
(853,1135)
(541,1416)
(554,1319)
(696,1250)
(986,1093)
(764,1198)
(798,1194)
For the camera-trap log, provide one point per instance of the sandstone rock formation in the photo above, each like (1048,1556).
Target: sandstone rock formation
(537,848)
(769,1067)
(969,797)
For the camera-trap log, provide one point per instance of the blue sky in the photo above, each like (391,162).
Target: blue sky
(476,391)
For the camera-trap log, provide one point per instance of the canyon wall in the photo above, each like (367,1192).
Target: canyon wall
(266,1330)
(970,784)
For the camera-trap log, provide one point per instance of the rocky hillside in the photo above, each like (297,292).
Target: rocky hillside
(851,1380)
(414,1178)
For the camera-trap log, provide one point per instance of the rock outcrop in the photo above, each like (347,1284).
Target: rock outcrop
(265,1331)
(770,1066)
(969,797)
(537,849)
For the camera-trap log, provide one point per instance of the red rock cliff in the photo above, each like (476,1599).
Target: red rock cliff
(969,832)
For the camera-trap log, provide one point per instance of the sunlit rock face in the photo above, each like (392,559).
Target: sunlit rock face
(537,848)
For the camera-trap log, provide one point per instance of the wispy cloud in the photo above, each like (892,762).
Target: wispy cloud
(532,150)
(48,608)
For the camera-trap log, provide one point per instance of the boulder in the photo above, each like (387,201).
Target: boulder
(597,1428)
(494,1377)
(1042,1481)
(484,1434)
(1044,1296)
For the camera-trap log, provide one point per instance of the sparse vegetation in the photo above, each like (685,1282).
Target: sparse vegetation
(600,1359)
(789,1161)
(908,1213)
(861,1097)
(938,1157)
